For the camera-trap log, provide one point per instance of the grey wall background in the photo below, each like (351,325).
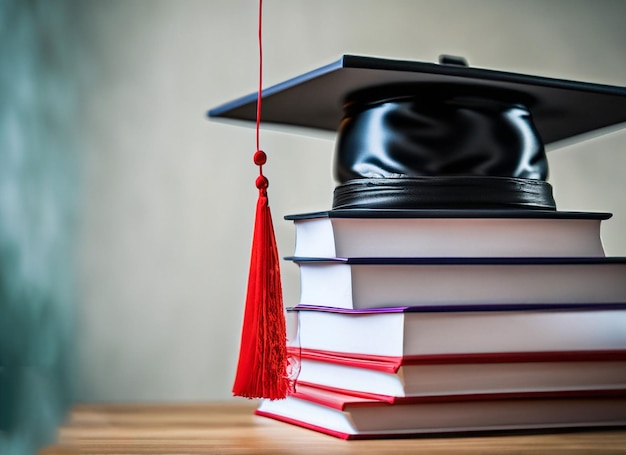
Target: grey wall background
(165,198)
(169,196)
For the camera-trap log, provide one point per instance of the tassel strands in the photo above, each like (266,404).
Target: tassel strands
(262,368)
(263,361)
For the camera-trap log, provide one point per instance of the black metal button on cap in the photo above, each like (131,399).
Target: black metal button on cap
(446,59)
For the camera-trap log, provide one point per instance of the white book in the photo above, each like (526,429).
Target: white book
(350,417)
(401,332)
(390,282)
(463,374)
(448,233)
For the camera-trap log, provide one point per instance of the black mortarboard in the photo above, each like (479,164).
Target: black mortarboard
(422,135)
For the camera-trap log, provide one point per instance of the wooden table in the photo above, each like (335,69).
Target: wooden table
(231,428)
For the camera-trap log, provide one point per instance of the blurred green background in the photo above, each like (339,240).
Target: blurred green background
(42,79)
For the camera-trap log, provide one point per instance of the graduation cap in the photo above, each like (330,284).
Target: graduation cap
(411,136)
(415,135)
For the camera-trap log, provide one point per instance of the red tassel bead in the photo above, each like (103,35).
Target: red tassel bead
(262,183)
(260,158)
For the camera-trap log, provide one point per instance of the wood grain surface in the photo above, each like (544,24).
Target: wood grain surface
(231,428)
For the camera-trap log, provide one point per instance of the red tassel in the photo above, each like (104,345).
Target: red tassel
(262,368)
(263,362)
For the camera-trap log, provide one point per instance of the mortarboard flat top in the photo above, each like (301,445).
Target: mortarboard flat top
(416,135)
(561,109)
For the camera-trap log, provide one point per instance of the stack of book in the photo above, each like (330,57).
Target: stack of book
(450,321)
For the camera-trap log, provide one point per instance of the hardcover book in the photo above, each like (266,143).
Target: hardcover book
(405,332)
(386,378)
(350,417)
(448,233)
(361,283)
